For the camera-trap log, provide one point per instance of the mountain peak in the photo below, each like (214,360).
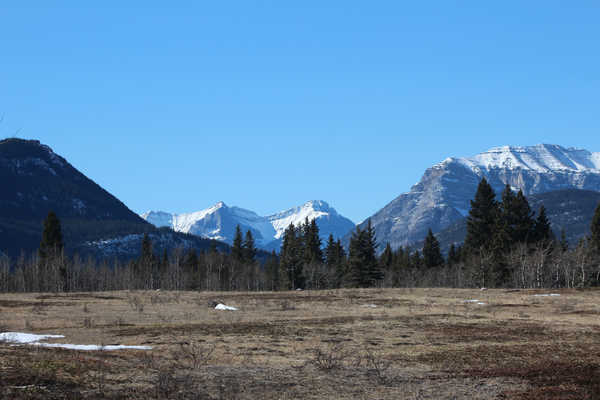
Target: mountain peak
(539,158)
(219,222)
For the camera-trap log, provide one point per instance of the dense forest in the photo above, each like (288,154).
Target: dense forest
(507,245)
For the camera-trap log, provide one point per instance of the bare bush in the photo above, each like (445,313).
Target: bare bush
(194,354)
(377,365)
(331,358)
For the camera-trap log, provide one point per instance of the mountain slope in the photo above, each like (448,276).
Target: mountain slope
(219,222)
(443,194)
(35,180)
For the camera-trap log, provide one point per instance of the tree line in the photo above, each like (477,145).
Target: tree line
(506,245)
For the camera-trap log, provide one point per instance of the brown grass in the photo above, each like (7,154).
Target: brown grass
(415,344)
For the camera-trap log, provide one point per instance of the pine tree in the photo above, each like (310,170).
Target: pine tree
(522,222)
(482,219)
(50,253)
(312,243)
(595,229)
(453,255)
(335,259)
(432,256)
(292,258)
(387,257)
(190,267)
(51,244)
(237,247)
(249,250)
(542,230)
(364,266)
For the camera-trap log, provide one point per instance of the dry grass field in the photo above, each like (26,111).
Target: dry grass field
(340,344)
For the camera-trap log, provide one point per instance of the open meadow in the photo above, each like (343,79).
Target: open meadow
(338,344)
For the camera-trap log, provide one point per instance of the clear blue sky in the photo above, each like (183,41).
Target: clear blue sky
(264,104)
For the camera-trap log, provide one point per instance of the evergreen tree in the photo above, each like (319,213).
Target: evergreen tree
(522,222)
(595,229)
(312,243)
(542,230)
(335,259)
(363,263)
(51,244)
(503,235)
(190,267)
(237,247)
(249,249)
(387,257)
(292,258)
(50,254)
(482,219)
(453,255)
(330,252)
(432,256)
(416,261)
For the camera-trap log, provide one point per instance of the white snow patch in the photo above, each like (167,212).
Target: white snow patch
(35,340)
(24,338)
(90,347)
(221,306)
(546,295)
(369,305)
(475,301)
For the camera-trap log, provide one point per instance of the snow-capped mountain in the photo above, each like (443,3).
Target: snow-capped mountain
(443,194)
(219,222)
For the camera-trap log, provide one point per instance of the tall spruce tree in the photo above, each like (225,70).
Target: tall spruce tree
(482,219)
(291,260)
(312,243)
(432,256)
(387,257)
(522,223)
(364,266)
(542,232)
(237,247)
(50,254)
(51,244)
(249,249)
(335,259)
(595,230)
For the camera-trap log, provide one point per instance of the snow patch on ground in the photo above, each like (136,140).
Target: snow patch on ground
(221,306)
(475,301)
(35,340)
(546,295)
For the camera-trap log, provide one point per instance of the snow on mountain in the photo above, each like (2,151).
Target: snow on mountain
(313,209)
(541,158)
(219,222)
(443,194)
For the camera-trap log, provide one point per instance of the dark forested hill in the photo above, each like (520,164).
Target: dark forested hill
(34,180)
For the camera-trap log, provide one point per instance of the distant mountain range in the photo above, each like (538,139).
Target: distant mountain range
(35,180)
(442,196)
(219,222)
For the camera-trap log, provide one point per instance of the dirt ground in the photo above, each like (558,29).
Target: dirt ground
(338,344)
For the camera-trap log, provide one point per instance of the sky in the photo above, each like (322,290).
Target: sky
(268,104)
